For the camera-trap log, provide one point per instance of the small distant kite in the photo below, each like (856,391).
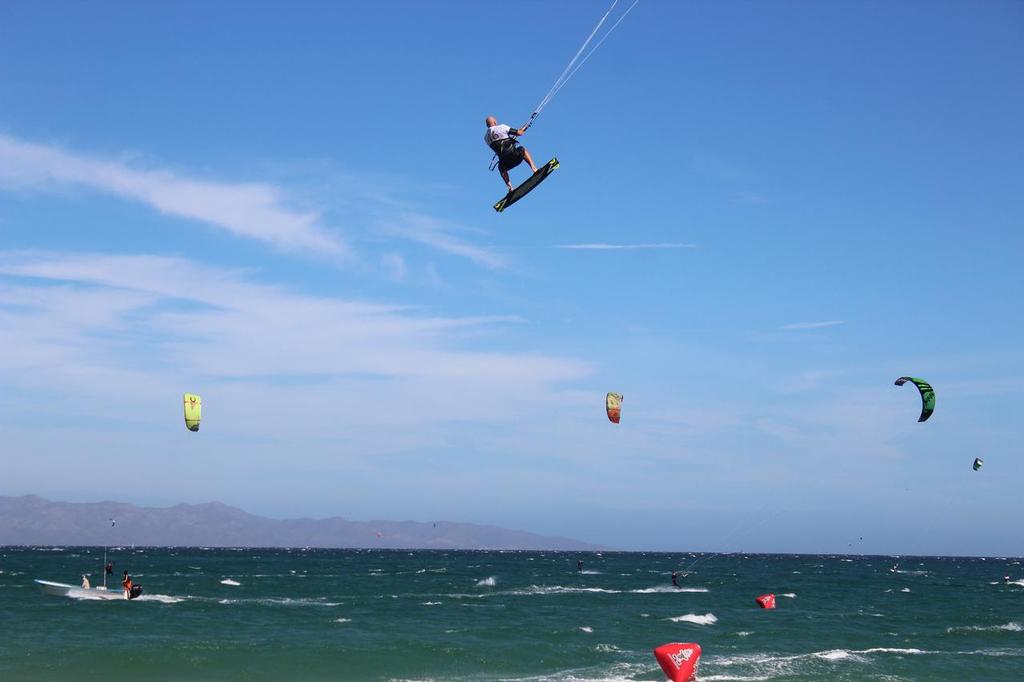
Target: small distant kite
(978,463)
(193,411)
(927,395)
(613,406)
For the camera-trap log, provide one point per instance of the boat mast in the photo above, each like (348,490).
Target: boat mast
(105,542)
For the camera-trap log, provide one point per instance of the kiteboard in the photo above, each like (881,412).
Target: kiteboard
(528,184)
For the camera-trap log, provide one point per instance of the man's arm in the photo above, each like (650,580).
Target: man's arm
(517,133)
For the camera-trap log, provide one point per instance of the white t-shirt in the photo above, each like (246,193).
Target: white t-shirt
(498,132)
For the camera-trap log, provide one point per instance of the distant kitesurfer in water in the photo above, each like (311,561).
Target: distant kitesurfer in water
(579,565)
(85,582)
(502,141)
(1006,579)
(675,578)
(110,568)
(126,583)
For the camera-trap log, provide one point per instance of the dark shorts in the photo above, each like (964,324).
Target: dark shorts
(511,157)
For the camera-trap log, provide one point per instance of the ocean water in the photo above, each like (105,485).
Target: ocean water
(268,614)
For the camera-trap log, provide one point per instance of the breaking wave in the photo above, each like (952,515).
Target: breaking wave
(706,619)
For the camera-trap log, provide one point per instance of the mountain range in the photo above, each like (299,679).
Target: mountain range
(33,520)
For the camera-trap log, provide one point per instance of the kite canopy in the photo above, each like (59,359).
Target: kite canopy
(978,463)
(927,395)
(678,661)
(193,411)
(613,406)
(766,601)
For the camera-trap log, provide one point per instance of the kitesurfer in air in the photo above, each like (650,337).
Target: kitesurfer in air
(502,141)
(579,565)
(675,578)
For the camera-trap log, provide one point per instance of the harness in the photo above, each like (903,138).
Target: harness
(501,148)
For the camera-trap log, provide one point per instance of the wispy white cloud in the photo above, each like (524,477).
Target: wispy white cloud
(133,322)
(439,235)
(812,325)
(614,247)
(262,211)
(251,210)
(394,265)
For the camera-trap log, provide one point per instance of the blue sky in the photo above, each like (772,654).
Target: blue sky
(287,209)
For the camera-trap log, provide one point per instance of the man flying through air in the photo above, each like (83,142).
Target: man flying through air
(502,141)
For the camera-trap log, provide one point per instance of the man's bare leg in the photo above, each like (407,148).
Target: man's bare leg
(529,160)
(504,176)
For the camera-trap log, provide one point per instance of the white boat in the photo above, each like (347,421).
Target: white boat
(87,591)
(77,591)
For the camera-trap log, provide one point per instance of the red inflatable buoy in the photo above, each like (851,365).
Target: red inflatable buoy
(766,601)
(679,661)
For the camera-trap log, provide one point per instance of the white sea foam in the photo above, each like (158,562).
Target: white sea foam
(833,655)
(892,650)
(229,581)
(744,633)
(162,598)
(561,589)
(540,590)
(905,589)
(791,595)
(342,620)
(589,572)
(706,619)
(1006,627)
(782,664)
(430,603)
(282,601)
(586,628)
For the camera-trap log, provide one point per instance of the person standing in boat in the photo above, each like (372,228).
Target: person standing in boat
(126,583)
(85,582)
